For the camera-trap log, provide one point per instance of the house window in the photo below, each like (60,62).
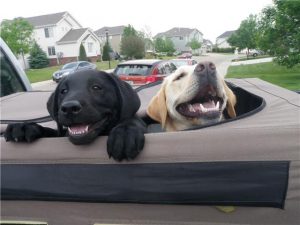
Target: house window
(51,51)
(180,38)
(48,32)
(90,46)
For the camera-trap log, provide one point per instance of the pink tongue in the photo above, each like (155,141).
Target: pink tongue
(210,104)
(79,128)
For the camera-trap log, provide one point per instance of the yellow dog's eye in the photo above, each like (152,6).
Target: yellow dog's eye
(179,77)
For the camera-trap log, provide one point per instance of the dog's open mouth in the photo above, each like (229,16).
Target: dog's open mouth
(206,104)
(85,133)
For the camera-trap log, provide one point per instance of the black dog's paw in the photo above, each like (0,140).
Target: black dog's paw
(23,132)
(125,142)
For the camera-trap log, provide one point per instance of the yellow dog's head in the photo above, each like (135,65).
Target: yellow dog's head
(191,96)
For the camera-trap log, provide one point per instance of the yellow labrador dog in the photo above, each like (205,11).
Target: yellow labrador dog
(192,96)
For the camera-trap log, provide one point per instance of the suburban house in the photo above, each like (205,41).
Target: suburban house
(181,37)
(114,36)
(207,45)
(221,41)
(60,36)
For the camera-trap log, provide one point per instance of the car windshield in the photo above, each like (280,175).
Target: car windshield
(133,70)
(180,62)
(70,66)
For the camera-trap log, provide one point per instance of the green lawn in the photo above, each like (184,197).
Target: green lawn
(271,72)
(36,75)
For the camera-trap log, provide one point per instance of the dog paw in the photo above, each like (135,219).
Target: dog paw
(23,132)
(125,142)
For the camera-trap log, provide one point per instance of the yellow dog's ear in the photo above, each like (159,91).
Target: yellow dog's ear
(231,101)
(157,108)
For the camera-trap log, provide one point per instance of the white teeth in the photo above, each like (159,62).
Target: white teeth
(191,108)
(203,109)
(78,132)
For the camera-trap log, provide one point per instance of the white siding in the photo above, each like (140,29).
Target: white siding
(72,50)
(222,43)
(44,43)
(96,46)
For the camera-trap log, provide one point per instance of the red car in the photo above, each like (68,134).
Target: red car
(144,71)
(186,55)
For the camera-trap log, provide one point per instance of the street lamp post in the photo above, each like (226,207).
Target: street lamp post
(106,33)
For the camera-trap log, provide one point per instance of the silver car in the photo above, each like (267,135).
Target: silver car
(72,67)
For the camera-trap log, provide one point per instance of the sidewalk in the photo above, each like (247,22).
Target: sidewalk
(252,61)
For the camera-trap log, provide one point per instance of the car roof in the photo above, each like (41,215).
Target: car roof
(77,62)
(140,62)
(181,59)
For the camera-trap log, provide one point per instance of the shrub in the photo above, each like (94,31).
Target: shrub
(82,53)
(38,58)
(223,50)
(106,51)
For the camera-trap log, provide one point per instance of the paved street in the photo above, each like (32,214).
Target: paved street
(222,63)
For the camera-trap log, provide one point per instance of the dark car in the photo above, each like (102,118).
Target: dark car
(70,68)
(139,72)
(185,55)
(182,62)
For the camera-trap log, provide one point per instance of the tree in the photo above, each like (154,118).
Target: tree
(279,32)
(164,45)
(106,51)
(38,58)
(132,43)
(129,31)
(169,46)
(194,44)
(82,53)
(159,44)
(17,34)
(133,47)
(245,36)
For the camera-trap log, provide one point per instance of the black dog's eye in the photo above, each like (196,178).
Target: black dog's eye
(180,76)
(96,87)
(64,91)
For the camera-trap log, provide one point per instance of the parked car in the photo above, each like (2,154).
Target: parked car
(182,62)
(251,162)
(144,71)
(255,52)
(185,55)
(72,67)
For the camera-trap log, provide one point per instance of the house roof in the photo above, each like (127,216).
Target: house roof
(176,31)
(226,34)
(207,42)
(118,30)
(43,20)
(73,35)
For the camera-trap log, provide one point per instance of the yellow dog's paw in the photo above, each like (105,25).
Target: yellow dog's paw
(226,209)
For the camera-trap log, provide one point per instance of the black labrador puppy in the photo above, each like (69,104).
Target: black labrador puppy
(85,105)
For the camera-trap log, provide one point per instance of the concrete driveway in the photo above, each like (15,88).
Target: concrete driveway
(222,62)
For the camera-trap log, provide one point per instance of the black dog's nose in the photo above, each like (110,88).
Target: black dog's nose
(71,107)
(202,67)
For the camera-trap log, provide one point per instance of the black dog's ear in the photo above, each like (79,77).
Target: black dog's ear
(130,101)
(52,106)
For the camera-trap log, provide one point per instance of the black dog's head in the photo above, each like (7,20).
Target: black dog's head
(90,103)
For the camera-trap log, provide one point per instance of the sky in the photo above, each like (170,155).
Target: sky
(211,17)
